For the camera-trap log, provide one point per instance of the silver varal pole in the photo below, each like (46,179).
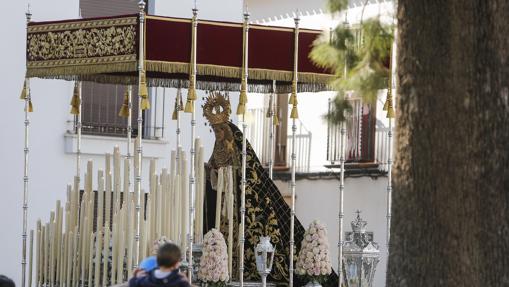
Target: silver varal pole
(244,158)
(389,144)
(192,179)
(294,156)
(341,201)
(139,150)
(78,135)
(271,129)
(25,175)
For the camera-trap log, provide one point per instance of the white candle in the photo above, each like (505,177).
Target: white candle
(219,198)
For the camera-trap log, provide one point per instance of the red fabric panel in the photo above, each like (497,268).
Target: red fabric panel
(219,45)
(305,46)
(271,49)
(168,41)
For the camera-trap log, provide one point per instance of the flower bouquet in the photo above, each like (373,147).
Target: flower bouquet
(314,262)
(214,261)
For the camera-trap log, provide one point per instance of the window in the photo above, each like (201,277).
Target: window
(101,102)
(100,106)
(360,134)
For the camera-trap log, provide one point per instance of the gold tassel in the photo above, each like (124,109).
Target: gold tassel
(386,104)
(178,99)
(189,106)
(24,91)
(30,106)
(145,104)
(124,110)
(241,109)
(75,100)
(294,114)
(293,97)
(191,93)
(390,111)
(276,120)
(269,109)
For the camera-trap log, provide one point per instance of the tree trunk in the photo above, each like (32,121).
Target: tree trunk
(450,224)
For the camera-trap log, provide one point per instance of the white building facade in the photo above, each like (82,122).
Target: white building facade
(52,139)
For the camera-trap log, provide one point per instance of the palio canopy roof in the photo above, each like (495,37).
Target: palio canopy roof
(106,50)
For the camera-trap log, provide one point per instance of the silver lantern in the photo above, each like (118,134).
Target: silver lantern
(360,255)
(264,258)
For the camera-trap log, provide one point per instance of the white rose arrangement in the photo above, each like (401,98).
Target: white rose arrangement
(214,261)
(314,262)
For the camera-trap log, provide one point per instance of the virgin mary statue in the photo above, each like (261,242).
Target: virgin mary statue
(266,213)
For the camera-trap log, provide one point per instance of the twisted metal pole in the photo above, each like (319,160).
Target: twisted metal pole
(244,156)
(271,129)
(141,6)
(192,175)
(341,201)
(294,155)
(25,173)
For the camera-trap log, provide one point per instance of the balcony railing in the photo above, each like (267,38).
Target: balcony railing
(258,135)
(366,137)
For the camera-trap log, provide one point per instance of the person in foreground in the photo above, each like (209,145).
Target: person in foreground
(6,282)
(167,275)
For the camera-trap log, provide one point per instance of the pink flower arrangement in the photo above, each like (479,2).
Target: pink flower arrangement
(314,261)
(214,260)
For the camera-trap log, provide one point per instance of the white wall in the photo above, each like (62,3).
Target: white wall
(319,199)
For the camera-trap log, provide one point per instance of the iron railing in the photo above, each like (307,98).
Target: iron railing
(257,134)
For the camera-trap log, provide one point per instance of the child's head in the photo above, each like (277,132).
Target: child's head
(6,282)
(168,255)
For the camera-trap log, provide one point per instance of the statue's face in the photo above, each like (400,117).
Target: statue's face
(219,132)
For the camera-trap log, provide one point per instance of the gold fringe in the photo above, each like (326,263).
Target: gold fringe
(24,91)
(189,106)
(241,109)
(236,72)
(30,106)
(295,113)
(124,110)
(56,71)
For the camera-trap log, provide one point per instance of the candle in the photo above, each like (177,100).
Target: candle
(185,202)
(31,257)
(219,189)
(98,248)
(90,259)
(106,253)
(229,177)
(38,255)
(116,179)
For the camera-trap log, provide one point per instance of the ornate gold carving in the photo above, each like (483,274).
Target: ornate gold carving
(82,43)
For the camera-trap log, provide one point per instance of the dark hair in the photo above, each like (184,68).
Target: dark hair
(168,255)
(6,282)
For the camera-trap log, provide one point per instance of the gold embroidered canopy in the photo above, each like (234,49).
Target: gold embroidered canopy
(107,50)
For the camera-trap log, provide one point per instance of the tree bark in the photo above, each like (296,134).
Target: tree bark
(450,224)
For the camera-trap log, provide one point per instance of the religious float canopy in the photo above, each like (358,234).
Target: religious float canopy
(107,50)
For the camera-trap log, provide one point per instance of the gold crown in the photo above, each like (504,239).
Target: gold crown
(217,108)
